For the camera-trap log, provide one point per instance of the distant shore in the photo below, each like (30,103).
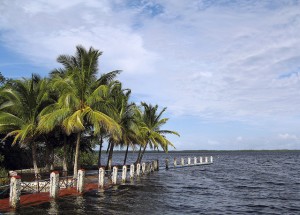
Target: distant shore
(205,151)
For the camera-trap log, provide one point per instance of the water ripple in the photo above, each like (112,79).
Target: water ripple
(237,183)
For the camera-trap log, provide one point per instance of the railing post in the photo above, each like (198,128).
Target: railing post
(153,166)
(182,161)
(195,160)
(143,168)
(147,167)
(189,161)
(54,184)
(80,180)
(175,162)
(101,177)
(167,164)
(200,159)
(124,173)
(206,159)
(211,159)
(114,175)
(15,191)
(131,171)
(138,169)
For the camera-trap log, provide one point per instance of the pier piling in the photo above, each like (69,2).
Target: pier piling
(131,171)
(80,180)
(143,168)
(101,178)
(182,161)
(114,175)
(189,161)
(54,184)
(167,164)
(15,191)
(124,173)
(138,169)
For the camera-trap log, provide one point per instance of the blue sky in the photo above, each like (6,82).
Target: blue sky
(228,71)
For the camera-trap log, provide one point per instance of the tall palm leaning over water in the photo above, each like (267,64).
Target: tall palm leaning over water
(80,92)
(150,123)
(25,99)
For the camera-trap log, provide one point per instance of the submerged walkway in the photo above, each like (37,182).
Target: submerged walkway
(43,197)
(93,182)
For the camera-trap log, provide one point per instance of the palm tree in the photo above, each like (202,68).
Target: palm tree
(150,123)
(109,80)
(25,99)
(123,115)
(80,92)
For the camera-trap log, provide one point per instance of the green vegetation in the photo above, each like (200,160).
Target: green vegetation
(60,119)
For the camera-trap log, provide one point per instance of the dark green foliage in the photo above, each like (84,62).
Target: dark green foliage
(70,113)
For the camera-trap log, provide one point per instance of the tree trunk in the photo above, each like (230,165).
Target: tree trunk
(35,167)
(138,157)
(126,154)
(141,157)
(76,163)
(47,159)
(108,147)
(65,165)
(109,159)
(99,154)
(51,157)
(71,154)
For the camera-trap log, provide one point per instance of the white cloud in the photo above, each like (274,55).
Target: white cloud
(239,138)
(41,30)
(216,61)
(287,136)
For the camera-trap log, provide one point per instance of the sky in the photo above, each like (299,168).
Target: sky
(227,70)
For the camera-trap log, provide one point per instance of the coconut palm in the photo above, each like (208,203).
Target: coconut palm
(25,99)
(150,123)
(80,93)
(70,64)
(109,80)
(123,115)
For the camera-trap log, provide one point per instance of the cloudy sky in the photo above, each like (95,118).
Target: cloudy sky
(228,71)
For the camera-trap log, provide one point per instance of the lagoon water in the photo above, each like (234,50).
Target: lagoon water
(237,183)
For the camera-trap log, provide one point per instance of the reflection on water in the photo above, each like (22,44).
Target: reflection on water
(53,207)
(237,183)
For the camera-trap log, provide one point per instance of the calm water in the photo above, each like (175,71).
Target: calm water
(237,183)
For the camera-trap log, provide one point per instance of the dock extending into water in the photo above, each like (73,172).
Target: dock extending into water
(22,193)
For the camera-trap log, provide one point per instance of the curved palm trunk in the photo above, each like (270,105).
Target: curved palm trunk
(34,160)
(141,156)
(47,166)
(126,154)
(138,157)
(71,155)
(108,147)
(51,157)
(76,163)
(109,159)
(65,165)
(99,154)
